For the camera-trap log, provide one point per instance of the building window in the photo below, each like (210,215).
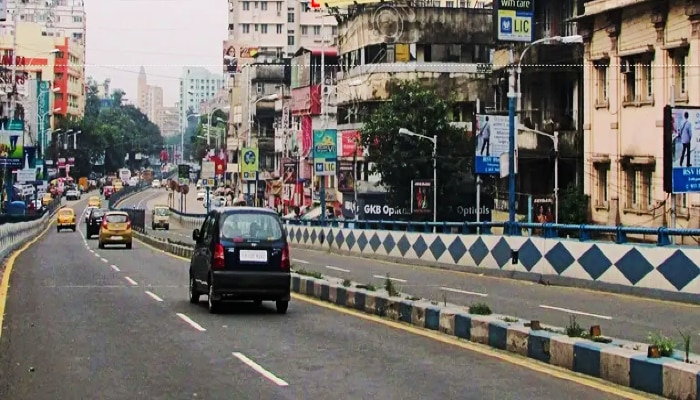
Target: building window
(263,6)
(304,30)
(246,6)
(334,30)
(639,195)
(290,40)
(263,28)
(450,4)
(279,6)
(679,58)
(601,177)
(290,17)
(639,80)
(279,29)
(245,28)
(602,81)
(317,30)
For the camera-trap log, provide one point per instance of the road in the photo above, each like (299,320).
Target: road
(625,317)
(85,323)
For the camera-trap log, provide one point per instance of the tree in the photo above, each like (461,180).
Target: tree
(400,158)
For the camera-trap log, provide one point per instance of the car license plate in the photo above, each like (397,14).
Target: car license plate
(116,238)
(253,255)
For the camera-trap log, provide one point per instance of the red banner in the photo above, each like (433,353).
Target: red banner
(350,143)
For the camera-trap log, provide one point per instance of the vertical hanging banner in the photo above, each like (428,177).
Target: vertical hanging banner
(422,196)
(12,144)
(251,163)
(325,152)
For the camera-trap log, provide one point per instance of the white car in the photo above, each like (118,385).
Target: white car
(201,195)
(155,184)
(72,195)
(87,213)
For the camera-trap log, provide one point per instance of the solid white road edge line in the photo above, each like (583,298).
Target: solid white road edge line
(566,310)
(259,369)
(192,323)
(114,267)
(390,278)
(448,289)
(153,296)
(300,261)
(133,282)
(337,269)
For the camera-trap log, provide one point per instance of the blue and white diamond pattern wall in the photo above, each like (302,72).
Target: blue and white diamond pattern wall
(662,268)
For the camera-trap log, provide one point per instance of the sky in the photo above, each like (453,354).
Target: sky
(161,35)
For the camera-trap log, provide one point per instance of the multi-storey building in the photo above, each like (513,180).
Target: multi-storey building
(197,85)
(149,98)
(639,57)
(170,124)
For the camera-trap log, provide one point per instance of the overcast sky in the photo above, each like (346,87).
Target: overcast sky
(161,35)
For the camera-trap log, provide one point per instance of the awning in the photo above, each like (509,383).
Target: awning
(600,6)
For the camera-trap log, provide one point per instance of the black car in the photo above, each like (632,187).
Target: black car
(241,253)
(94,220)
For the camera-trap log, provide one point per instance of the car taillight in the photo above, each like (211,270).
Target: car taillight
(218,262)
(286,264)
(128,224)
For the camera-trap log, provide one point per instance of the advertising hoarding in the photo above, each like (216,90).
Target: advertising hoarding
(682,126)
(514,20)
(12,144)
(250,162)
(325,152)
(422,196)
(492,140)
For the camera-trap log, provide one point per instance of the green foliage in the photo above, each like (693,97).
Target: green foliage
(573,205)
(111,132)
(400,159)
(665,344)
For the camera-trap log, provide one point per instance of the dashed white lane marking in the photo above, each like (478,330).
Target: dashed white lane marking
(92,251)
(300,261)
(192,323)
(104,260)
(390,278)
(96,255)
(337,269)
(133,282)
(259,369)
(569,311)
(153,296)
(114,267)
(448,289)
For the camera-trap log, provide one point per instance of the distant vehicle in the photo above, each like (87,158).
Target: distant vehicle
(133,181)
(65,219)
(46,199)
(241,253)
(94,221)
(124,175)
(72,194)
(160,217)
(201,195)
(155,184)
(115,229)
(107,192)
(95,201)
(88,211)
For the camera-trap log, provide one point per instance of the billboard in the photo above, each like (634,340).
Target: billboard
(422,196)
(514,20)
(682,142)
(491,141)
(325,152)
(350,144)
(346,176)
(235,55)
(12,144)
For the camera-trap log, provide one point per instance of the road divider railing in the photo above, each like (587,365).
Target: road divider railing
(662,272)
(15,234)
(656,368)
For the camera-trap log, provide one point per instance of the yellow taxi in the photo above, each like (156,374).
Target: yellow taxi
(65,219)
(118,185)
(115,229)
(46,199)
(94,201)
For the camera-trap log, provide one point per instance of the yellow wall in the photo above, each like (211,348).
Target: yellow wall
(619,129)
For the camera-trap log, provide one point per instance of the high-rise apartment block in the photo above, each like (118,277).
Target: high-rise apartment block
(149,99)
(197,85)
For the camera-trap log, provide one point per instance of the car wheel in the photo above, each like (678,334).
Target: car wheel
(212,304)
(73,229)
(58,229)
(100,245)
(129,246)
(167,227)
(88,235)
(153,227)
(194,293)
(281,306)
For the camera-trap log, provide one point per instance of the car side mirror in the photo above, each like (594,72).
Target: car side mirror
(195,235)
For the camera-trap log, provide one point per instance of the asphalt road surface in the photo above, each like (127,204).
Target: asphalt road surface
(83,323)
(625,317)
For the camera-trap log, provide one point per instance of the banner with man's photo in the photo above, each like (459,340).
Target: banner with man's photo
(422,196)
(346,176)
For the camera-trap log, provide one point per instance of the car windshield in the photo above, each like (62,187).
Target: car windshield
(162,212)
(117,218)
(251,226)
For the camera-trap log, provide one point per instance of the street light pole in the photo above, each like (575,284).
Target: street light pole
(404,131)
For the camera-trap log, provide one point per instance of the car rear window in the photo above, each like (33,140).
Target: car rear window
(250,226)
(66,212)
(117,218)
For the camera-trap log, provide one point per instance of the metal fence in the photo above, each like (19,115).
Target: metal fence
(137,217)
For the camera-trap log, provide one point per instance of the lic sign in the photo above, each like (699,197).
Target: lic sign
(514,20)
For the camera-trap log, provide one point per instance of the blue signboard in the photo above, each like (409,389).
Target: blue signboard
(685,153)
(325,152)
(491,141)
(515,20)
